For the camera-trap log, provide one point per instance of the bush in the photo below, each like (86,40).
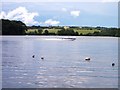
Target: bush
(69,31)
(46,32)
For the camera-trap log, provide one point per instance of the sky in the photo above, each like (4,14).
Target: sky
(63,13)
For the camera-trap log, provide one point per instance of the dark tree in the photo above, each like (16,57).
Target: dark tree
(81,34)
(40,30)
(96,33)
(69,31)
(46,32)
(76,33)
(13,27)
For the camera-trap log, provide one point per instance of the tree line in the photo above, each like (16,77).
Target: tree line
(19,28)
(13,27)
(115,32)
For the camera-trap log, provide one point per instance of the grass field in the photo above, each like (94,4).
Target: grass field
(31,30)
(52,30)
(56,30)
(86,31)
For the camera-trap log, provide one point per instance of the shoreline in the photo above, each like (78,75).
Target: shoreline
(58,35)
(53,36)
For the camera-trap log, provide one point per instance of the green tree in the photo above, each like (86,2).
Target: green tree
(46,32)
(76,33)
(96,33)
(40,31)
(13,27)
(69,31)
(81,34)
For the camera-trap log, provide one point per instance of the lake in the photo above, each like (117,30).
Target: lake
(64,64)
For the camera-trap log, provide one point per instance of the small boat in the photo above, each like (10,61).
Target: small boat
(72,39)
(68,38)
(60,38)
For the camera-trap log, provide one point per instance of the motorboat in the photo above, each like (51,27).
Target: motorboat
(60,38)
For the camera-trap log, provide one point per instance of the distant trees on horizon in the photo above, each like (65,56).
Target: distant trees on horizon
(19,28)
(68,31)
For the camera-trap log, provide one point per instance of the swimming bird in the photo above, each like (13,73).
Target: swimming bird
(33,56)
(113,64)
(42,58)
(87,58)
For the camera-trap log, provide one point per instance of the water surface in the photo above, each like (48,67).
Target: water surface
(64,64)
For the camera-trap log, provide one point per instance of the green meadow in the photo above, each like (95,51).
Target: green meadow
(80,31)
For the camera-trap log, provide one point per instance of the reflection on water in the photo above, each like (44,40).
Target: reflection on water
(63,64)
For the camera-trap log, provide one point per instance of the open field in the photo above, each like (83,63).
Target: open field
(52,30)
(31,30)
(56,30)
(36,30)
(86,31)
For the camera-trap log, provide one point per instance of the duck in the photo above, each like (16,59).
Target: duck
(87,58)
(42,58)
(33,56)
(113,64)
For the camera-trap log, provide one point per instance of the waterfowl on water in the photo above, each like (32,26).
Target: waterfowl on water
(87,58)
(33,56)
(42,58)
(113,64)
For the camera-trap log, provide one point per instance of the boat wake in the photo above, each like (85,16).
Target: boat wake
(60,38)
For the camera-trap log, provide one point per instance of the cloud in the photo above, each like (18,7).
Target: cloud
(51,22)
(43,0)
(57,0)
(75,13)
(22,14)
(104,1)
(64,9)
(2,15)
